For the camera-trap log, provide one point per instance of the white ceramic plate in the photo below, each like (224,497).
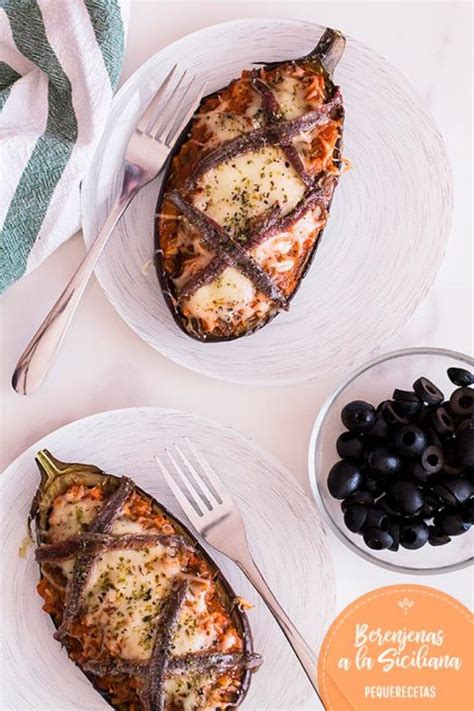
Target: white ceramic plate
(287,538)
(384,241)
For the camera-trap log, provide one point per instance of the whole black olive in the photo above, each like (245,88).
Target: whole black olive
(375,483)
(461,401)
(451,522)
(344,479)
(442,422)
(459,376)
(410,441)
(355,517)
(432,459)
(377,518)
(360,497)
(380,428)
(454,490)
(350,446)
(358,416)
(427,391)
(465,447)
(382,461)
(414,535)
(405,497)
(377,539)
(468,511)
(394,531)
(436,538)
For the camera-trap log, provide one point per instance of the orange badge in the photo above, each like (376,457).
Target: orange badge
(402,647)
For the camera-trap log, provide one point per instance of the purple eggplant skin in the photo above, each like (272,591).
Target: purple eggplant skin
(59,476)
(323,59)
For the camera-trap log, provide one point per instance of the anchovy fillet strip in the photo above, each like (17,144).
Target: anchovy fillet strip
(153,690)
(275,134)
(102,523)
(273,112)
(98,543)
(269,227)
(233,254)
(214,662)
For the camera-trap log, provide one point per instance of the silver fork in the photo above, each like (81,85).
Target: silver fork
(218,521)
(147,151)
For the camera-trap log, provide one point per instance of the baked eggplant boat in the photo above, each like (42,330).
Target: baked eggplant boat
(137,602)
(247,193)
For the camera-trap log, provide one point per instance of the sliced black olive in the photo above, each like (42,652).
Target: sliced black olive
(461,401)
(432,459)
(410,441)
(377,539)
(358,416)
(459,376)
(377,518)
(466,424)
(350,446)
(360,497)
(407,410)
(405,497)
(452,469)
(392,415)
(436,538)
(427,391)
(468,512)
(442,422)
(431,506)
(416,471)
(451,522)
(394,531)
(344,479)
(432,436)
(454,490)
(375,483)
(383,461)
(405,396)
(380,428)
(414,535)
(384,503)
(355,517)
(465,447)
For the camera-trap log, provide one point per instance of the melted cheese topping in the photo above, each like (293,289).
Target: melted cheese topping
(123,597)
(243,187)
(72,512)
(273,254)
(290,94)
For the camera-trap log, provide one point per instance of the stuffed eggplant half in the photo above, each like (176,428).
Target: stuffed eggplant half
(247,194)
(137,602)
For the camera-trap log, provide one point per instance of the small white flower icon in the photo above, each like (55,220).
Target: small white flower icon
(405,604)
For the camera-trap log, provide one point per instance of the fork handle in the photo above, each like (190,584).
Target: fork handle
(36,360)
(299,645)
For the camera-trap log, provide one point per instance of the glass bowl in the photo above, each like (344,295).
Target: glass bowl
(375,382)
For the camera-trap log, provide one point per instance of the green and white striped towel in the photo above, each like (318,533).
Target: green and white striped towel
(60,61)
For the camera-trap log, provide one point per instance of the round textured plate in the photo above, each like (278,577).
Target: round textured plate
(286,536)
(381,249)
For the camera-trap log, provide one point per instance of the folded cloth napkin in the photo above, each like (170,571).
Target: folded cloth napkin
(60,61)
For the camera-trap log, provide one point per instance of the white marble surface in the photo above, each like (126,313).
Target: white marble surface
(103,365)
